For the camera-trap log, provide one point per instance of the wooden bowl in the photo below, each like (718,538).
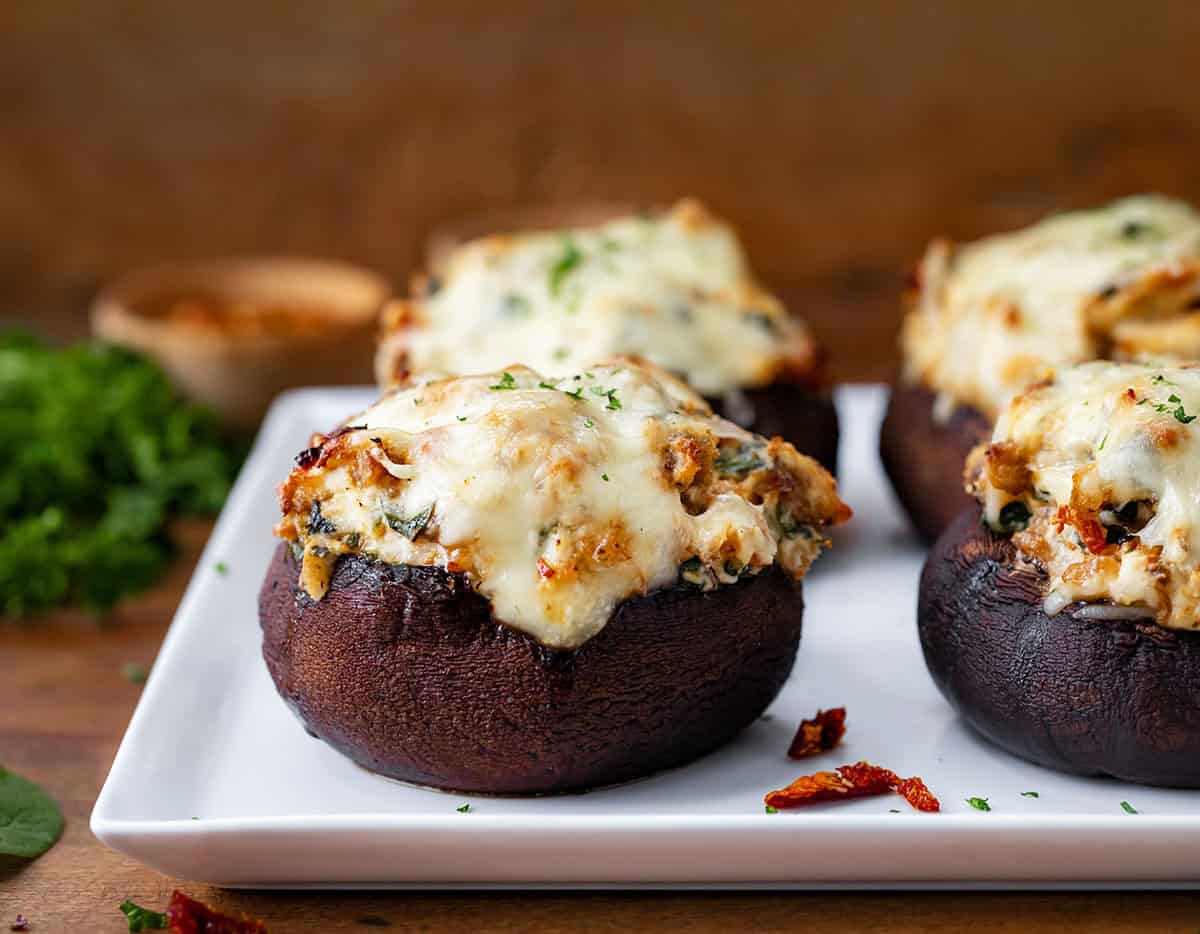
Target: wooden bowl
(234,333)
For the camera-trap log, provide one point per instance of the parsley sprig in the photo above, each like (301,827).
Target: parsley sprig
(1173,405)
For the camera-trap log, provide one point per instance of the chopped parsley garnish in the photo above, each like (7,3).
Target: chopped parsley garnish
(611,395)
(143,919)
(1173,406)
(979,804)
(893,810)
(1160,379)
(560,353)
(739,461)
(1104,440)
(1030,794)
(465,809)
(1014,517)
(221,567)
(409,526)
(461,418)
(506,382)
(568,260)
(545,385)
(588,423)
(103,453)
(771,810)
(418,401)
(576,393)
(604,477)
(1128,808)
(133,673)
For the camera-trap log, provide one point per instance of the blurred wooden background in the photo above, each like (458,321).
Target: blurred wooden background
(838,136)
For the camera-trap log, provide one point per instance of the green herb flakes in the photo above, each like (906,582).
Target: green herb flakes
(588,423)
(221,568)
(465,809)
(771,810)
(1128,808)
(738,461)
(979,804)
(134,673)
(604,477)
(506,382)
(30,820)
(566,263)
(143,919)
(409,526)
(1030,794)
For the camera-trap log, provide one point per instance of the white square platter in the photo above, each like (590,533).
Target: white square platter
(216,780)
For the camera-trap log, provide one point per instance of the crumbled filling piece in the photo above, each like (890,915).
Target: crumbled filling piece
(1096,475)
(557,497)
(989,318)
(673,288)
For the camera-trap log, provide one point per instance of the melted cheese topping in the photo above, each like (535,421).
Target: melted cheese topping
(1098,474)
(557,498)
(672,288)
(992,317)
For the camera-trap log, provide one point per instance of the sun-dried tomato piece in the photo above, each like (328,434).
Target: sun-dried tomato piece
(185,915)
(850,781)
(820,734)
(914,791)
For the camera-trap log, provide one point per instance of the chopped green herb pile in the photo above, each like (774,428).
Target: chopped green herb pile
(506,382)
(101,453)
(30,820)
(143,919)
(979,804)
(1128,808)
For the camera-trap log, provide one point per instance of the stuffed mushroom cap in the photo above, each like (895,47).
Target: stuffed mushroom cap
(672,287)
(989,318)
(1096,475)
(556,499)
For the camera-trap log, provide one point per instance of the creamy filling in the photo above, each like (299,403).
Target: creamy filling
(557,498)
(1097,476)
(672,288)
(992,317)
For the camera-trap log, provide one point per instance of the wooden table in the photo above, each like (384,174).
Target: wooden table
(63,707)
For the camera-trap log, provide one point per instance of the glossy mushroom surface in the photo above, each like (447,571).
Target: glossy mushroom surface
(405,670)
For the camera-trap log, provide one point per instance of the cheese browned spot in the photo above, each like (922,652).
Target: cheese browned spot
(1096,474)
(557,498)
(992,317)
(673,288)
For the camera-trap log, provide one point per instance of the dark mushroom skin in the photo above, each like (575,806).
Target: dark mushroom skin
(924,457)
(790,410)
(405,671)
(1093,697)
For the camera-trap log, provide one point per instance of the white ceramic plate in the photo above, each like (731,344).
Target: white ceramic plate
(217,781)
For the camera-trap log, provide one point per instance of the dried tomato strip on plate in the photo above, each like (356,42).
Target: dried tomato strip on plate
(914,791)
(849,781)
(820,734)
(852,781)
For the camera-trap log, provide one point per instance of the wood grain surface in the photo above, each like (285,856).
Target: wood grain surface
(838,137)
(64,705)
